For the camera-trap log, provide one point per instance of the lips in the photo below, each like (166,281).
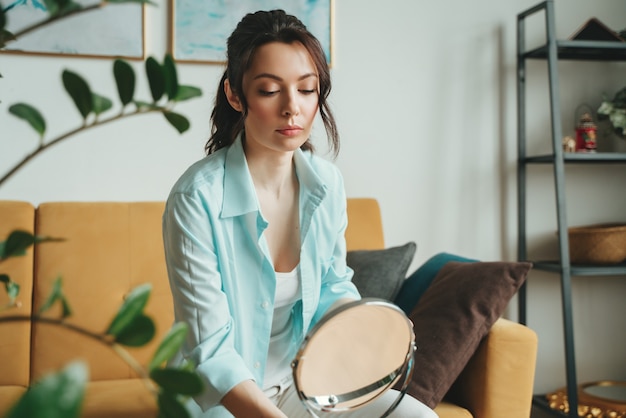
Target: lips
(289,130)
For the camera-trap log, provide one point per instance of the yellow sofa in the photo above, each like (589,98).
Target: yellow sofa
(111,247)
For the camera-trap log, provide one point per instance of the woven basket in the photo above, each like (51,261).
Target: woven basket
(597,244)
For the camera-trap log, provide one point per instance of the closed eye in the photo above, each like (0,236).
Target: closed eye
(268,92)
(308,91)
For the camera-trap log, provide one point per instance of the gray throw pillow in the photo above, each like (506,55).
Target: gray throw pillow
(380,273)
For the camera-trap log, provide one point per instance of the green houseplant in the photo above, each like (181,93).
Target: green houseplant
(130,327)
(615,111)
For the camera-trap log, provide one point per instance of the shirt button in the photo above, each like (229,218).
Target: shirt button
(257,365)
(265,304)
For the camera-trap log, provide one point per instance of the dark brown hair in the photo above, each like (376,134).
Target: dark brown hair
(252,32)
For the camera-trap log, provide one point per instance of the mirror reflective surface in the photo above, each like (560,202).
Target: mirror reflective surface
(607,390)
(353,355)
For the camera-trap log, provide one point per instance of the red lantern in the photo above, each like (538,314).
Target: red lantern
(586,134)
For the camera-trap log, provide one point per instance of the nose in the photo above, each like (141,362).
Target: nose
(290,105)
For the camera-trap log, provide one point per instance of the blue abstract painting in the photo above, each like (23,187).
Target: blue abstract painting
(200,27)
(114,30)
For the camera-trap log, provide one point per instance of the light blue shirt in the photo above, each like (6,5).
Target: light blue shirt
(221,274)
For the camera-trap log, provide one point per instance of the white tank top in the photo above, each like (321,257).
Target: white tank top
(281,351)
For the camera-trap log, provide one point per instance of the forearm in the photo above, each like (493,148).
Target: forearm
(247,400)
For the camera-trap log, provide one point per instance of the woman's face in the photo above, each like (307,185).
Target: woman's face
(282,90)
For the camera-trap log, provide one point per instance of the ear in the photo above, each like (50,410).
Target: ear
(232,98)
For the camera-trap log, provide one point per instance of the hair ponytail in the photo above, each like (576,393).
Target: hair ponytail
(226,122)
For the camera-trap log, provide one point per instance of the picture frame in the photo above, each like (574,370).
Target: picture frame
(115,30)
(199,28)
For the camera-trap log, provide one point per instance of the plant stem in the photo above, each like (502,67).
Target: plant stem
(66,135)
(138,368)
(50,20)
(102,338)
(59,322)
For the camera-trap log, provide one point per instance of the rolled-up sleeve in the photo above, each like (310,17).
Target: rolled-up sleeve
(190,237)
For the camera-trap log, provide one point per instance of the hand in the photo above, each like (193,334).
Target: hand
(247,400)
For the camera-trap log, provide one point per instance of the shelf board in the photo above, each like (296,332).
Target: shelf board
(582,51)
(582,269)
(579,157)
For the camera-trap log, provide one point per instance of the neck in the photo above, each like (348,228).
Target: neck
(273,175)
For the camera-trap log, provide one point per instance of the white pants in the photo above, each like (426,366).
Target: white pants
(286,398)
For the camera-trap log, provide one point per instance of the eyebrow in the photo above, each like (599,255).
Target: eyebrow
(277,78)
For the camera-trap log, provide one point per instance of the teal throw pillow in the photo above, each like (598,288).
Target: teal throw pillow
(418,282)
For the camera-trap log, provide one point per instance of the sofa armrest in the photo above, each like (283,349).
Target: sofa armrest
(498,380)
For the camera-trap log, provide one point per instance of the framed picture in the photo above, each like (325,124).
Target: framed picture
(199,28)
(115,30)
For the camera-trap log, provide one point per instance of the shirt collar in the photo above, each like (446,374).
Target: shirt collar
(239,193)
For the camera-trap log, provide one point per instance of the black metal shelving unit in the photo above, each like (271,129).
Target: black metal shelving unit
(551,52)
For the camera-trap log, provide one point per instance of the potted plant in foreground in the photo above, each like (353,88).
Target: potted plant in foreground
(130,327)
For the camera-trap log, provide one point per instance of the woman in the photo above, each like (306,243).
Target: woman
(254,232)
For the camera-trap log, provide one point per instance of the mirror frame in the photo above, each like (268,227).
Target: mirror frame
(327,403)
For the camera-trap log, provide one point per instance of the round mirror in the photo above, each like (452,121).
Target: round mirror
(353,355)
(607,390)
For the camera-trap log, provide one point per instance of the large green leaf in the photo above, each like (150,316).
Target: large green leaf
(12,288)
(125,80)
(130,309)
(100,103)
(187,92)
(171,407)
(177,120)
(146,106)
(16,244)
(171,77)
(52,6)
(68,7)
(137,333)
(58,395)
(177,381)
(169,345)
(30,115)
(56,294)
(80,92)
(61,7)
(5,36)
(156,78)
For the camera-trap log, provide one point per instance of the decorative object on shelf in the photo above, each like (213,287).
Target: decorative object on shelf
(603,399)
(586,132)
(615,110)
(597,244)
(594,30)
(569,144)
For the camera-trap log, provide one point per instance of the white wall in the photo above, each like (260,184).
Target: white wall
(424,93)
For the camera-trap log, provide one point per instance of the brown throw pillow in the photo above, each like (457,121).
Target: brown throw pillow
(453,316)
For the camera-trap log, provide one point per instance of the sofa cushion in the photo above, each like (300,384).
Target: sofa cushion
(380,273)
(452,317)
(416,284)
(15,343)
(131,234)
